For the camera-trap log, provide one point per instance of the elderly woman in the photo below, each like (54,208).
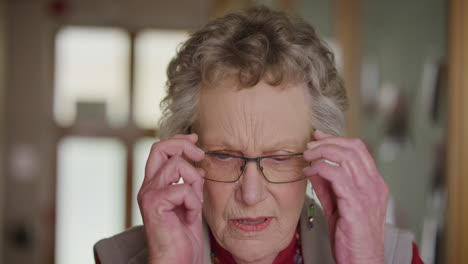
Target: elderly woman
(254,111)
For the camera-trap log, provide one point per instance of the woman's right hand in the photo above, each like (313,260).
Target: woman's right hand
(172,213)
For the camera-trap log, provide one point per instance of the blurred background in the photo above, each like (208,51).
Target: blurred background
(81,81)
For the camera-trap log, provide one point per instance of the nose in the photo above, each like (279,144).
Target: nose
(252,189)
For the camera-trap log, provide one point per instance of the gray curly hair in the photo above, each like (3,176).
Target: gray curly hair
(253,45)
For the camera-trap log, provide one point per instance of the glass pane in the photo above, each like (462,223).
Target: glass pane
(90,196)
(91,75)
(154,50)
(141,152)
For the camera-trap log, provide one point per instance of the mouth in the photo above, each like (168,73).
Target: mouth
(251,224)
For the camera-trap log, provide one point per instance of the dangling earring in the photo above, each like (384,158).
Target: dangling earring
(311,213)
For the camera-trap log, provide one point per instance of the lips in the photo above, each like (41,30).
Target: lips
(251,224)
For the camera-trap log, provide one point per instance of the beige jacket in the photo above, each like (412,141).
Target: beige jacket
(129,247)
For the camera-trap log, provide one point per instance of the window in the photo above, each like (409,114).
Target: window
(154,50)
(141,151)
(108,85)
(92,68)
(90,195)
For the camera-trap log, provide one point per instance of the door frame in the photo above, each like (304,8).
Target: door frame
(457,167)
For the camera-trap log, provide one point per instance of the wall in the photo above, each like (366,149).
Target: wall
(320,14)
(29,133)
(398,38)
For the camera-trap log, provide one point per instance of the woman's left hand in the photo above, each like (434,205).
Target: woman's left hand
(353,196)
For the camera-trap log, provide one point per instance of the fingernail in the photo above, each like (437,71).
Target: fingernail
(200,195)
(312,144)
(332,163)
(201,152)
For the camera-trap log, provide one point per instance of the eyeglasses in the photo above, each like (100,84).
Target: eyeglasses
(222,167)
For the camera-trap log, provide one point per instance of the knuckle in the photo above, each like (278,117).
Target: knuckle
(383,189)
(149,201)
(177,162)
(185,188)
(143,198)
(361,144)
(356,142)
(140,199)
(147,195)
(348,153)
(176,159)
(156,145)
(320,166)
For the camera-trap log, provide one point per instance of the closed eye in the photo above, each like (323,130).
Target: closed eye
(282,158)
(223,156)
(220,156)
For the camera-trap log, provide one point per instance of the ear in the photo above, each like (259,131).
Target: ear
(312,135)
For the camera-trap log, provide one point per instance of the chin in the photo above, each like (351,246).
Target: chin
(251,250)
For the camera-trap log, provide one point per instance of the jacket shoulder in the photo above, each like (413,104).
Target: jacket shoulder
(398,245)
(128,247)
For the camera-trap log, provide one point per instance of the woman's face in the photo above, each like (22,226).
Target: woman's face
(258,121)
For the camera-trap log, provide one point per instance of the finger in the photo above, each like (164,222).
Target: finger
(173,170)
(343,186)
(175,196)
(163,150)
(345,196)
(192,137)
(345,157)
(357,144)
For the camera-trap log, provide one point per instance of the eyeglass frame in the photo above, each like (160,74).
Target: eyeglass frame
(256,160)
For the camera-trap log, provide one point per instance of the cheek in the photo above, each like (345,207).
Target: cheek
(216,197)
(290,199)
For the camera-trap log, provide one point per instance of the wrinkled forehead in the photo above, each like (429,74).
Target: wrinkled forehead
(255,119)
